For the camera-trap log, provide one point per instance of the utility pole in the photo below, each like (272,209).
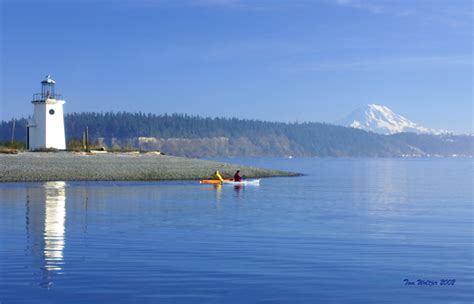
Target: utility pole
(13,131)
(86,132)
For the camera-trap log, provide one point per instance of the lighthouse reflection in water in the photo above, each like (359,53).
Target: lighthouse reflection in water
(46,218)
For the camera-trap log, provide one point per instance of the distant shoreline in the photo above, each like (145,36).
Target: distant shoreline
(69,166)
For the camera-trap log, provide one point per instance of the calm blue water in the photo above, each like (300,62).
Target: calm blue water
(352,230)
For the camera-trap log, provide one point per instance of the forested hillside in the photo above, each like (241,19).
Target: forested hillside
(186,135)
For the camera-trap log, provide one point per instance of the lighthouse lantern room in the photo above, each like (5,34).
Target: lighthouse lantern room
(46,128)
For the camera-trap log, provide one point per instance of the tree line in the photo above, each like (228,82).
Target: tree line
(203,136)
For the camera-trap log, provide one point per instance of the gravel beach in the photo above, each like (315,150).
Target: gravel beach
(69,166)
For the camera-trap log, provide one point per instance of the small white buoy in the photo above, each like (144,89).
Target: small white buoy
(290,157)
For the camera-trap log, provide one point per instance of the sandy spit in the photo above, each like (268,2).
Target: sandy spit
(67,166)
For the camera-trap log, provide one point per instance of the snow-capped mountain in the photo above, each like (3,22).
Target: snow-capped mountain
(380,119)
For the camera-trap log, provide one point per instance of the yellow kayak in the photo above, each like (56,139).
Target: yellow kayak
(215,181)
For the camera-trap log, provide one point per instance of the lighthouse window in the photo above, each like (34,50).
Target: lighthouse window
(51,111)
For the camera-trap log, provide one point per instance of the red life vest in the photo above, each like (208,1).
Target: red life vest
(237,177)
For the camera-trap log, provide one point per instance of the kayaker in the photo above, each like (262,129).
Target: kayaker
(217,176)
(237,176)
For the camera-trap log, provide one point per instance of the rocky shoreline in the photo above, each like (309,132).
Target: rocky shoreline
(70,166)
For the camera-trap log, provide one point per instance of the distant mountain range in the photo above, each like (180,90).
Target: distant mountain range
(380,119)
(195,136)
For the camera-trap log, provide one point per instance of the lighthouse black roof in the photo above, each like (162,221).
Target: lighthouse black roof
(48,80)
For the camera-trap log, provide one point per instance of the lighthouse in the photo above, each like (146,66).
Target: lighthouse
(46,128)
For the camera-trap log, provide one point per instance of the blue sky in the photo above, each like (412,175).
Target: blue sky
(274,60)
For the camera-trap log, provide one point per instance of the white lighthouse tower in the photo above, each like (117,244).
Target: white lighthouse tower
(46,128)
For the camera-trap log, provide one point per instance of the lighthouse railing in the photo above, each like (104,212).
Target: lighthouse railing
(38,97)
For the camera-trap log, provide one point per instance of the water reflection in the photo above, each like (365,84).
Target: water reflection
(380,185)
(218,190)
(46,218)
(237,189)
(381,189)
